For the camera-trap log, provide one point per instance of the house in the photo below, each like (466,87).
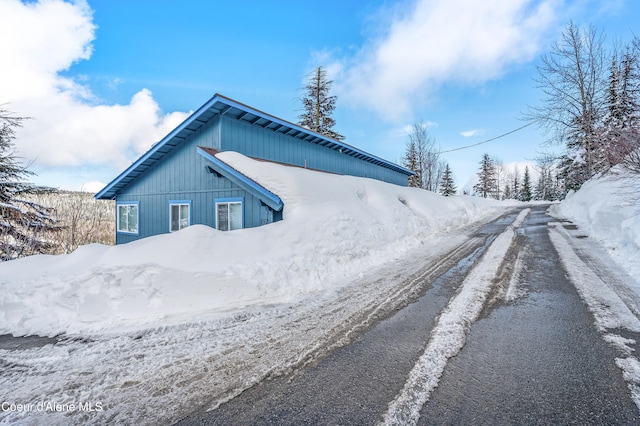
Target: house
(180,181)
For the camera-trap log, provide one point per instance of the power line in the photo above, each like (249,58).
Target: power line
(489,140)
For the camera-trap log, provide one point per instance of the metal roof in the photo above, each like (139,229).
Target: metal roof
(227,107)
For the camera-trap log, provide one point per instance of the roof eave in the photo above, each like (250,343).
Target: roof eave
(243,181)
(111,190)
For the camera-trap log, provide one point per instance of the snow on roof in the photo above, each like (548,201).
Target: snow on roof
(240,179)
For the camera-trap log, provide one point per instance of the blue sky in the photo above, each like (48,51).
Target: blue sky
(105,79)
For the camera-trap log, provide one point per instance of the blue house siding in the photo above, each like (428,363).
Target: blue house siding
(153,211)
(182,175)
(254,141)
(183,166)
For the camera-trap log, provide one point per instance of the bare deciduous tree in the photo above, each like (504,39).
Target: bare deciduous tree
(85,219)
(423,158)
(571,77)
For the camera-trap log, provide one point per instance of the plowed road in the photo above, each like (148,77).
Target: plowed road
(524,323)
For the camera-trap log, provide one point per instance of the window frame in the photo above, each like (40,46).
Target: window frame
(228,201)
(129,204)
(179,203)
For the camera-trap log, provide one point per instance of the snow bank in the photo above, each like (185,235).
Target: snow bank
(607,209)
(335,228)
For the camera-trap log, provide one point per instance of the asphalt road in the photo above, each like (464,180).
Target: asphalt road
(536,359)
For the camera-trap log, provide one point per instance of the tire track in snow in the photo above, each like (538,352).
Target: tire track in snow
(449,334)
(610,312)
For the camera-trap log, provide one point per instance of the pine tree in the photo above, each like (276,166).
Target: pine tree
(412,162)
(447,185)
(508,193)
(318,105)
(24,224)
(539,193)
(545,188)
(486,185)
(525,191)
(515,190)
(621,126)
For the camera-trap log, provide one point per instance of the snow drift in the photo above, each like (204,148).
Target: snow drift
(607,209)
(335,228)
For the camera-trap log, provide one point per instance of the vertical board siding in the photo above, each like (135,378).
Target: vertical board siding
(255,141)
(181,173)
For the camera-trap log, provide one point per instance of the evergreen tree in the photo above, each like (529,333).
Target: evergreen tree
(545,188)
(515,190)
(23,223)
(525,191)
(621,126)
(486,185)
(539,193)
(447,185)
(412,162)
(508,193)
(318,105)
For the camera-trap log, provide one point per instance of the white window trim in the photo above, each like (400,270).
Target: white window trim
(179,203)
(129,204)
(234,200)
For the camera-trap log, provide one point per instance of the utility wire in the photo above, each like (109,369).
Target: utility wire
(489,140)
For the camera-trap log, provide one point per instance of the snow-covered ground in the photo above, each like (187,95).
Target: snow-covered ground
(151,330)
(175,321)
(607,209)
(335,229)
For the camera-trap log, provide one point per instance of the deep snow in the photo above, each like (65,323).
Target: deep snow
(607,209)
(190,319)
(335,229)
(177,321)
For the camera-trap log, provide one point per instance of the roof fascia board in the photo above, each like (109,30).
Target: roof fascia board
(110,191)
(193,117)
(266,196)
(301,129)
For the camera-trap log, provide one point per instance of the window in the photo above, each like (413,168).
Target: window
(229,215)
(179,215)
(127,219)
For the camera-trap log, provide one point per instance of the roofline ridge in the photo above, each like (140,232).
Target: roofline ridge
(108,191)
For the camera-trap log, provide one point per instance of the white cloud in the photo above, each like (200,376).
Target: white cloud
(408,128)
(92,187)
(442,41)
(470,133)
(69,126)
